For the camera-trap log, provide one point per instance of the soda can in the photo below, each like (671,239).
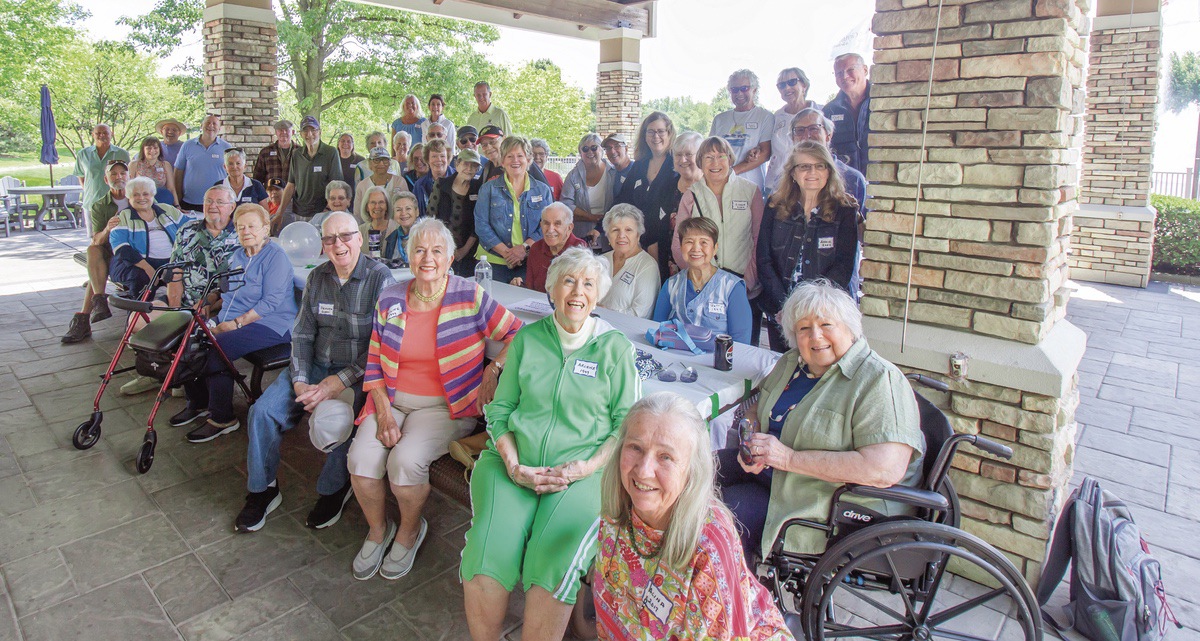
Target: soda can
(723,356)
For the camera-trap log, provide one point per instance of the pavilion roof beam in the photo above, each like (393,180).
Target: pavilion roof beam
(582,19)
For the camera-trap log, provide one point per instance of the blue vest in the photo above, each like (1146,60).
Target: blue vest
(710,307)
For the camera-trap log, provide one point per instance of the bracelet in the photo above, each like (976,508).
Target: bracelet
(512,473)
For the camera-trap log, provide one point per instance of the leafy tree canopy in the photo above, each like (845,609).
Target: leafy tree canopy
(1183,81)
(690,114)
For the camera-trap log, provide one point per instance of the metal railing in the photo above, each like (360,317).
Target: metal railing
(561,164)
(1173,183)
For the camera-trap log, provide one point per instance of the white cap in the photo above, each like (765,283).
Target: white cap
(331,423)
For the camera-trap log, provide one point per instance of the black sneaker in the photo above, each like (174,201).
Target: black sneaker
(187,417)
(210,430)
(258,506)
(100,310)
(79,330)
(329,508)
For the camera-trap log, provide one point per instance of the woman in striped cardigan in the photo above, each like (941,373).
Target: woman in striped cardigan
(425,368)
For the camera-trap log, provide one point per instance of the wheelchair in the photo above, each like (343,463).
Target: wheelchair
(883,577)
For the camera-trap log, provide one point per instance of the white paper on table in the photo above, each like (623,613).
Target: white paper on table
(539,306)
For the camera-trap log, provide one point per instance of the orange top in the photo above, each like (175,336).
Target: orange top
(418,372)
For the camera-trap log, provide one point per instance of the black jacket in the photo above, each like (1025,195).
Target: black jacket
(825,250)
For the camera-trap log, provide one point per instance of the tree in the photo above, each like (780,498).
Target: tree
(689,114)
(1183,90)
(541,105)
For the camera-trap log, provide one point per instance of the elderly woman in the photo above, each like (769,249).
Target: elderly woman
(568,382)
(337,198)
(793,85)
(150,163)
(666,535)
(589,188)
(417,167)
(143,237)
(683,155)
(509,212)
(651,183)
(423,377)
(541,152)
(380,162)
(404,216)
(245,188)
(437,158)
(634,272)
(401,142)
(411,121)
(377,221)
(348,157)
(375,140)
(704,294)
(452,201)
(832,411)
(809,231)
(257,312)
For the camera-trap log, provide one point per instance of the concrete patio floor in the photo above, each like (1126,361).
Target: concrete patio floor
(91,550)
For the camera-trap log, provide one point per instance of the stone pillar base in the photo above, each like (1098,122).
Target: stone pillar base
(1113,244)
(240,60)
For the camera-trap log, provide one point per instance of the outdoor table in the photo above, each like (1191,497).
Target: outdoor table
(53,199)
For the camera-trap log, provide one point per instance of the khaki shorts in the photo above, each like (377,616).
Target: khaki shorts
(426,433)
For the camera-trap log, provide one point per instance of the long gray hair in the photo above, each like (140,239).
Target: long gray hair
(695,502)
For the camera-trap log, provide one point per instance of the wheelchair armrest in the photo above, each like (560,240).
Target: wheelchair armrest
(902,494)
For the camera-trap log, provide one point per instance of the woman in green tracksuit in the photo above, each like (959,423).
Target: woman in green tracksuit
(567,384)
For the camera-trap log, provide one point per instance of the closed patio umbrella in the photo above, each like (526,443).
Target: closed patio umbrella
(49,133)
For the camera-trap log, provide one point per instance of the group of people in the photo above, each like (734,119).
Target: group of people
(579,476)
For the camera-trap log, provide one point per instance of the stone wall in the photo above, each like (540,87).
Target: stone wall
(1113,245)
(619,99)
(240,81)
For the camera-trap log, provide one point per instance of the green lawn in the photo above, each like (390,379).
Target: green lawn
(34,173)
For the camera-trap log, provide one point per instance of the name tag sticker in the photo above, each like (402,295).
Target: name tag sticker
(394,311)
(825,242)
(657,603)
(536,199)
(586,368)
(216,156)
(473,197)
(272,153)
(627,278)
(837,117)
(316,169)
(716,308)
(752,125)
(741,204)
(325,309)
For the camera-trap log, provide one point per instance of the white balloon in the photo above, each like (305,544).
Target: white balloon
(301,241)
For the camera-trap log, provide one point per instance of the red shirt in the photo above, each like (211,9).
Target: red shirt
(555,181)
(539,261)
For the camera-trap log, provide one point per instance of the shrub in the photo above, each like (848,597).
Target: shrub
(1177,235)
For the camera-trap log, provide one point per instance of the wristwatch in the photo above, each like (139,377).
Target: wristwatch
(238,322)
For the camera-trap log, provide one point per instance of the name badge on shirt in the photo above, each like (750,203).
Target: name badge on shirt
(752,125)
(326,309)
(536,199)
(741,204)
(657,603)
(585,368)
(316,169)
(216,156)
(272,153)
(637,184)
(473,197)
(825,242)
(627,278)
(394,311)
(716,308)
(837,117)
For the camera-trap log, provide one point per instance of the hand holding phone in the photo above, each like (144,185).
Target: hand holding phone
(746,429)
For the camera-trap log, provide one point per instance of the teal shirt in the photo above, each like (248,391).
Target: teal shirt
(90,167)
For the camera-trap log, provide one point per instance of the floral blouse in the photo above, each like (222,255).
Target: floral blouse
(714,597)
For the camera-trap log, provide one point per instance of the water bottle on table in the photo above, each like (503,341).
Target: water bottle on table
(483,274)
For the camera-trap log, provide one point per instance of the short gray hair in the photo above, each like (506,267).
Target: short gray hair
(402,134)
(744,73)
(560,207)
(534,143)
(692,508)
(823,299)
(799,74)
(143,182)
(338,184)
(856,56)
(404,194)
(821,118)
(622,211)
(221,187)
(377,134)
(430,226)
(337,215)
(685,140)
(578,260)
(234,151)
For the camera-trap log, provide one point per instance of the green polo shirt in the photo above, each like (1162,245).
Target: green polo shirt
(310,174)
(493,116)
(90,166)
(861,400)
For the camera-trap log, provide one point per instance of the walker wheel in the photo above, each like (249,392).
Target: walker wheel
(145,457)
(88,432)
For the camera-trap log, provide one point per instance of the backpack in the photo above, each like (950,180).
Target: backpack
(1116,591)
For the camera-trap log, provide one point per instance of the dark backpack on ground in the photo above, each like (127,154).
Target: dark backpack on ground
(1116,591)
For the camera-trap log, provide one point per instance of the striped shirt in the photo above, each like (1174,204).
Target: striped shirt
(333,328)
(468,316)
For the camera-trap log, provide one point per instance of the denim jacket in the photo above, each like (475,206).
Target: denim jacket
(494,211)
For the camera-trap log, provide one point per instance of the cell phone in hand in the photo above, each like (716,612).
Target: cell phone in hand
(745,431)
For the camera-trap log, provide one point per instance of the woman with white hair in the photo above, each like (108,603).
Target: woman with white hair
(245,188)
(541,152)
(401,142)
(634,272)
(426,384)
(143,238)
(670,564)
(590,187)
(376,214)
(568,383)
(411,120)
(831,412)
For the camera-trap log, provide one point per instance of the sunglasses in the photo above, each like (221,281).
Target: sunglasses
(345,237)
(468,139)
(589,149)
(740,89)
(790,82)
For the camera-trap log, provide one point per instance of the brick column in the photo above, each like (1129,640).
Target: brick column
(619,84)
(998,192)
(1114,228)
(240,59)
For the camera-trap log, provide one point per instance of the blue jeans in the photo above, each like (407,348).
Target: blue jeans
(276,412)
(214,390)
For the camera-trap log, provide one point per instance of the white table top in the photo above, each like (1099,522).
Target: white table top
(45,190)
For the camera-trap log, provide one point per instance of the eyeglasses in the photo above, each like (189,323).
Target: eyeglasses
(740,89)
(790,82)
(845,72)
(810,130)
(345,237)
(219,203)
(805,167)
(657,133)
(589,149)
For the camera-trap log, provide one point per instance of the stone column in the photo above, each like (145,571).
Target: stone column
(1114,228)
(988,248)
(619,83)
(240,60)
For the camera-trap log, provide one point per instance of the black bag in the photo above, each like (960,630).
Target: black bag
(155,364)
(1116,591)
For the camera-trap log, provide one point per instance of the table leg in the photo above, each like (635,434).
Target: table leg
(39,222)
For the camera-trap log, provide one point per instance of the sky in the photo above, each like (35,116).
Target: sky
(704,38)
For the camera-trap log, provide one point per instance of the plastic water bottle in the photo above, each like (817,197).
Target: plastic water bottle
(483,274)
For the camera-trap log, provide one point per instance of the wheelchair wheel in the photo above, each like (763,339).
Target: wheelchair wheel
(145,457)
(88,432)
(889,581)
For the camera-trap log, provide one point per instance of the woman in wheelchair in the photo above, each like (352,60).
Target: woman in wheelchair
(831,412)
(669,564)
(256,313)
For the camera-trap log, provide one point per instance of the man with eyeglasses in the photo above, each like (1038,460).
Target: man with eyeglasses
(206,245)
(329,355)
(793,87)
(747,128)
(313,167)
(850,111)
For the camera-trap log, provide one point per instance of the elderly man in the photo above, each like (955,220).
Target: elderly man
(200,165)
(170,129)
(92,162)
(435,132)
(274,159)
(204,244)
(487,113)
(793,87)
(339,196)
(103,217)
(329,355)
(558,227)
(467,137)
(375,140)
(616,150)
(811,124)
(850,111)
(312,168)
(437,116)
(747,128)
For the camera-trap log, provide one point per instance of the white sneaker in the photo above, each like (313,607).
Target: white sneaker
(370,556)
(140,384)
(400,560)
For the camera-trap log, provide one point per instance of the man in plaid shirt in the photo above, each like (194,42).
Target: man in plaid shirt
(329,354)
(275,159)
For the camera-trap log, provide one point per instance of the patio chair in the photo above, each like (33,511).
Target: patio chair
(74,202)
(13,205)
